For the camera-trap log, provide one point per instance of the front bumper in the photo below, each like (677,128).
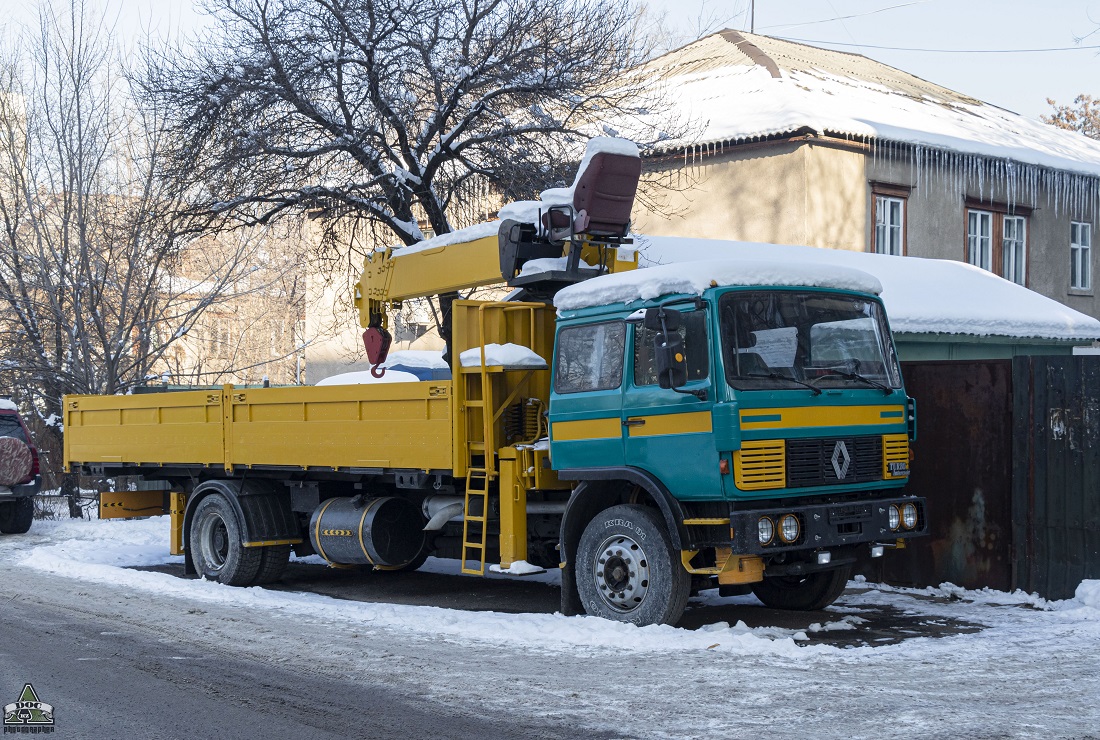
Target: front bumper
(826,525)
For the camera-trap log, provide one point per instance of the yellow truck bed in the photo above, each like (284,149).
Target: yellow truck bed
(391,425)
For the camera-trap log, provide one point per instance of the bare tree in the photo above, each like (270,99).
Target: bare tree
(389,109)
(93,246)
(1082,116)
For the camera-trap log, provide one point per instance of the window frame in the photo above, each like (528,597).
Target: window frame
(1023,250)
(998,214)
(1074,250)
(560,345)
(881,191)
(639,332)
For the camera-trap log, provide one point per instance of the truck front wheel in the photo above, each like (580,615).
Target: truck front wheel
(808,592)
(16,516)
(627,569)
(215,545)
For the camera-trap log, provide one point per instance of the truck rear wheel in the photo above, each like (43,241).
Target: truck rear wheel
(627,569)
(16,516)
(273,562)
(808,592)
(215,544)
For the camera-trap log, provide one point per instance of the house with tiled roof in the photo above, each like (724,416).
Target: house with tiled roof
(792,144)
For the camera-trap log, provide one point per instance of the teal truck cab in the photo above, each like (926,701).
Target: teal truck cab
(738,422)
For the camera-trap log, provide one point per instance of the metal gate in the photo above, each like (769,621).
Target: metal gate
(962,463)
(1056,473)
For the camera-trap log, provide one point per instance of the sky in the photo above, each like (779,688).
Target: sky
(1020,82)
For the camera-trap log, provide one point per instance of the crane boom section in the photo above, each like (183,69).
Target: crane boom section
(391,276)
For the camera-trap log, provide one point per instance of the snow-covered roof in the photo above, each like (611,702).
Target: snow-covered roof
(922,296)
(738,86)
(692,278)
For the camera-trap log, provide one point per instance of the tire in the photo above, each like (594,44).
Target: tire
(810,592)
(273,562)
(215,544)
(627,569)
(16,516)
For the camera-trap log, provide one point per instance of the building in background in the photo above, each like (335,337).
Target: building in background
(799,145)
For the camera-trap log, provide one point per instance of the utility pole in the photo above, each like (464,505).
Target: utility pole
(752,16)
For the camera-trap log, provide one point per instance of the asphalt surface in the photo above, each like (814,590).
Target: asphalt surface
(107,679)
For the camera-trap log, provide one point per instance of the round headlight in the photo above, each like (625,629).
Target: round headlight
(895,517)
(765,530)
(789,528)
(909,516)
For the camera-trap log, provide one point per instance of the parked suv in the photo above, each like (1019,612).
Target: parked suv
(19,472)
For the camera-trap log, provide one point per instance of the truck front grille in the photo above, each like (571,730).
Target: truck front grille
(810,461)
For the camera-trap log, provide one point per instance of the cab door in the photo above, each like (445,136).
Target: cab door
(586,398)
(669,433)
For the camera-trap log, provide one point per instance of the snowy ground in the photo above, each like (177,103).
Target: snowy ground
(1030,670)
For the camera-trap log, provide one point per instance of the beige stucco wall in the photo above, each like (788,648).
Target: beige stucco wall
(787,193)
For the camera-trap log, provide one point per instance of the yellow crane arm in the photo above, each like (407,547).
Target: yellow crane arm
(391,276)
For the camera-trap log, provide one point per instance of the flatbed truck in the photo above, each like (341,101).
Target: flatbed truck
(735,424)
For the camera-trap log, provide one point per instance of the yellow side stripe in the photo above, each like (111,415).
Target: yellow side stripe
(809,416)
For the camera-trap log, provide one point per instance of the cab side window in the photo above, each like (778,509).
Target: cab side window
(693,330)
(590,357)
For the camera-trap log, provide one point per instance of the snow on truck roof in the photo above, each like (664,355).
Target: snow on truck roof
(692,278)
(922,296)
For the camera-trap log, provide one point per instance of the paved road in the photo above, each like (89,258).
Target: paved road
(111,677)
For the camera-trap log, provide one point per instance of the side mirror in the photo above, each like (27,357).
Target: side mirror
(668,352)
(662,319)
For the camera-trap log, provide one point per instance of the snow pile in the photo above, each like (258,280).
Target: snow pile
(6,405)
(469,234)
(518,568)
(692,278)
(507,355)
(921,295)
(425,358)
(409,358)
(364,377)
(549,264)
(739,101)
(1088,593)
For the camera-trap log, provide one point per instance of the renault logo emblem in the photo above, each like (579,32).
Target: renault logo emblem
(841,460)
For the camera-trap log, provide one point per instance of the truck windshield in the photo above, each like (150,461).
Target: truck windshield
(791,339)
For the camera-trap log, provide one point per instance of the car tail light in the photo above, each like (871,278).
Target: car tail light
(35,470)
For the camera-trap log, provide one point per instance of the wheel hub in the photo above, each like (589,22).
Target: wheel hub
(214,540)
(622,573)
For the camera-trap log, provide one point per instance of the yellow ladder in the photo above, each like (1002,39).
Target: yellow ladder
(474,538)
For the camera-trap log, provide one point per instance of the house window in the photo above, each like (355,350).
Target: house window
(1013,249)
(888,205)
(979,239)
(996,239)
(889,221)
(1080,254)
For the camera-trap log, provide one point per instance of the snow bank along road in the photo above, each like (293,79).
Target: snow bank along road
(282,663)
